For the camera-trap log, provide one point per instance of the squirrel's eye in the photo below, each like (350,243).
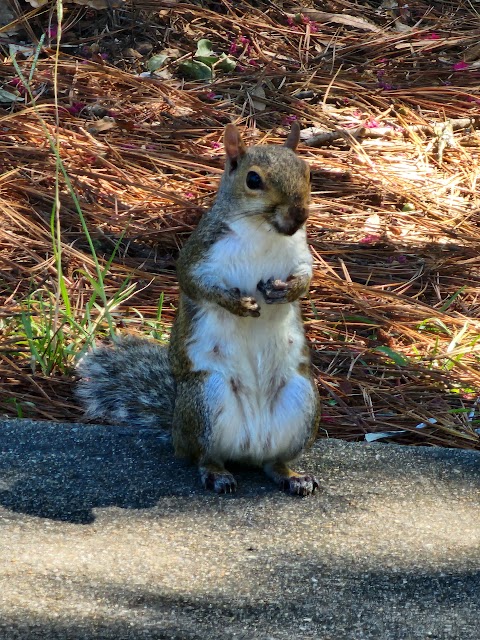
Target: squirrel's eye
(254,181)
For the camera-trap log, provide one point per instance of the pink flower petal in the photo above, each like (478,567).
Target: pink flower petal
(460,66)
(369,238)
(75,108)
(371,123)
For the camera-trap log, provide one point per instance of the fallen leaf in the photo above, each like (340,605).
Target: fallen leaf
(401,27)
(156,62)
(6,96)
(195,70)
(226,63)
(26,51)
(257,92)
(208,60)
(204,48)
(472,53)
(338,18)
(102,125)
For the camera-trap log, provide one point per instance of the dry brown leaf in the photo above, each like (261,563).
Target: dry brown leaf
(339,18)
(100,126)
(258,92)
(472,53)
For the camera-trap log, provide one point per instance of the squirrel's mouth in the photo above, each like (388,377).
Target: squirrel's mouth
(287,227)
(288,224)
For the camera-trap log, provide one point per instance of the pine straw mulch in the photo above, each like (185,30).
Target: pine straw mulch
(393,312)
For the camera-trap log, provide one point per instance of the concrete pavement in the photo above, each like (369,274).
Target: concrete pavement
(104,535)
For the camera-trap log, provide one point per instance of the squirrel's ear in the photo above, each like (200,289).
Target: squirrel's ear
(293,137)
(234,146)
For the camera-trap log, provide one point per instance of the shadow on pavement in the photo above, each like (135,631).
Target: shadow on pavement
(64,472)
(343,604)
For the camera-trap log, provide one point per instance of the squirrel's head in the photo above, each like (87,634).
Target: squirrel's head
(267,180)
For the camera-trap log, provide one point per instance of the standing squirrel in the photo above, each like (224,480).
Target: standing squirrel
(235,382)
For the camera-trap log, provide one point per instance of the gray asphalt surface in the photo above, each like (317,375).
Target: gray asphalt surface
(103,535)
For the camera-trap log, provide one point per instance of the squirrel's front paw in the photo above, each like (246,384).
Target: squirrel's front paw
(249,306)
(277,291)
(244,305)
(274,291)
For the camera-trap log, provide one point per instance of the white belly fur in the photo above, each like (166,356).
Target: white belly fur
(252,252)
(261,407)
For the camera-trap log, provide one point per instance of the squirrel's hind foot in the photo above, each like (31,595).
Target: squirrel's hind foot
(217,478)
(300,485)
(291,482)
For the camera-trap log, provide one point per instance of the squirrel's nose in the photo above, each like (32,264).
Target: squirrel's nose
(292,221)
(298,215)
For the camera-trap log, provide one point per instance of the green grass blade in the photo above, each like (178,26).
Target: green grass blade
(448,303)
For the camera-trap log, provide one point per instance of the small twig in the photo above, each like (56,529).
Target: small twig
(359,133)
(457,124)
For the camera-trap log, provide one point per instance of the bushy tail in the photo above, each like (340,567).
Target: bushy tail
(128,383)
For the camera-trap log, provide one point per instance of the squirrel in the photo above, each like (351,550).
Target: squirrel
(235,383)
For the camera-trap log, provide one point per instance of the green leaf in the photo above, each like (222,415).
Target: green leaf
(208,60)
(6,96)
(156,62)
(226,63)
(195,70)
(408,206)
(393,355)
(204,48)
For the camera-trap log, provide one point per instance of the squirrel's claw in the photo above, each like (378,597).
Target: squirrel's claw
(300,485)
(250,306)
(219,481)
(242,305)
(274,291)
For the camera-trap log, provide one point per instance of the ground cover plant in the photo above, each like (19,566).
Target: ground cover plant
(111,125)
